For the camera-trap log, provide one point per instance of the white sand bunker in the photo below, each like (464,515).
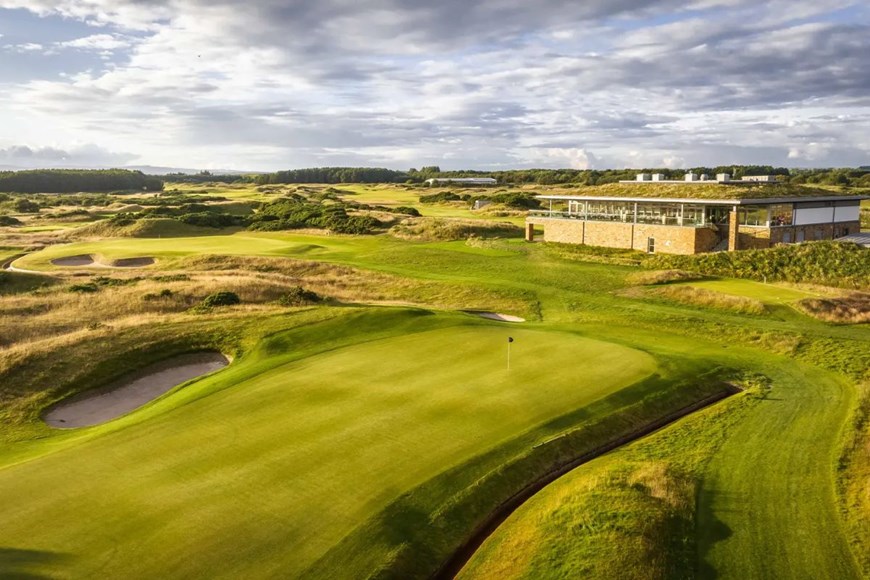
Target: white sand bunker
(74,261)
(131,392)
(133,262)
(497,316)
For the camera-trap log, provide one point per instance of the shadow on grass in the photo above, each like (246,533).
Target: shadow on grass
(711,530)
(22,564)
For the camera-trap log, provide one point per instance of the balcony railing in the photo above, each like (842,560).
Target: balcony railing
(627,218)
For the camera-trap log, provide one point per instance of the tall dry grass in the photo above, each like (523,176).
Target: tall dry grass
(853,308)
(710,299)
(48,314)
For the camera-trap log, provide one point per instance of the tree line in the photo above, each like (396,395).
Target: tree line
(823,176)
(77,180)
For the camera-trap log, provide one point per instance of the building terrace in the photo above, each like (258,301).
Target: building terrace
(695,218)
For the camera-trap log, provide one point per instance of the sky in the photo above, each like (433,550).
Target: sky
(482,84)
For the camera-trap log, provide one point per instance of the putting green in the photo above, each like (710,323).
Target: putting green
(279,463)
(767,293)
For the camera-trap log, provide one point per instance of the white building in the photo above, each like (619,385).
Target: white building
(461,181)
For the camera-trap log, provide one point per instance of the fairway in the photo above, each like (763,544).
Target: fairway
(767,293)
(279,463)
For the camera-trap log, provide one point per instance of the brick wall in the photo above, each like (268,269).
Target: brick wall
(668,239)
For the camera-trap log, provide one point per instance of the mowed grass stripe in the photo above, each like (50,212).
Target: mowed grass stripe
(767,508)
(266,476)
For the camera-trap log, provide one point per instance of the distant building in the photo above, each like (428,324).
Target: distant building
(461,181)
(682,224)
(695,178)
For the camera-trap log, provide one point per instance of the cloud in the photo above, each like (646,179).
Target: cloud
(78,156)
(509,82)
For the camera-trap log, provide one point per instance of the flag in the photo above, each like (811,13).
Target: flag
(510,339)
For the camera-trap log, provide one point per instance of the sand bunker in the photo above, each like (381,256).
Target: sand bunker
(88,260)
(74,261)
(497,316)
(131,392)
(133,262)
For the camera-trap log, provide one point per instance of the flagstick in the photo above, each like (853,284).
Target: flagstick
(509,356)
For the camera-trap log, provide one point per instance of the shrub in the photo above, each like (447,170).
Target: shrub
(151,296)
(87,288)
(220,299)
(299,296)
(439,197)
(8,221)
(26,206)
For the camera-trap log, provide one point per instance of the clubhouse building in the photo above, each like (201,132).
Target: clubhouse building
(675,218)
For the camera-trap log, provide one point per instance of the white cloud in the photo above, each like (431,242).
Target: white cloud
(290,84)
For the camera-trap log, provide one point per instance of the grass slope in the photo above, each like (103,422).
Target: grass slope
(306,449)
(633,513)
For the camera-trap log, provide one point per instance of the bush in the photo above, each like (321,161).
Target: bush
(439,197)
(8,221)
(88,288)
(151,296)
(26,206)
(221,299)
(299,296)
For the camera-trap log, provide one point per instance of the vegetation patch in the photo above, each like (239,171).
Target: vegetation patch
(298,213)
(828,263)
(710,299)
(656,277)
(222,298)
(299,296)
(442,229)
(851,309)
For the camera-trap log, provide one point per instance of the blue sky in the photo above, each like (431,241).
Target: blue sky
(491,84)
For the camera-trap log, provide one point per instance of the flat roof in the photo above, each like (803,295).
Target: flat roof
(702,201)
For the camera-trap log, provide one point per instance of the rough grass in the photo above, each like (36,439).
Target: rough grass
(656,277)
(829,263)
(439,229)
(854,479)
(29,317)
(851,309)
(710,299)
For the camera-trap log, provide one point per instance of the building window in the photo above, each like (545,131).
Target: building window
(781,214)
(651,245)
(753,215)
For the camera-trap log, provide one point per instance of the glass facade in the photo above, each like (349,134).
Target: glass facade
(672,213)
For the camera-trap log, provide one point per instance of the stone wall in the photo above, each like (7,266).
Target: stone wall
(668,239)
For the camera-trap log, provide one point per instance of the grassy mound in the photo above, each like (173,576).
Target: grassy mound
(144,228)
(828,263)
(438,229)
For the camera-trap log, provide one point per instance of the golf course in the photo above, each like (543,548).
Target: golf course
(370,422)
